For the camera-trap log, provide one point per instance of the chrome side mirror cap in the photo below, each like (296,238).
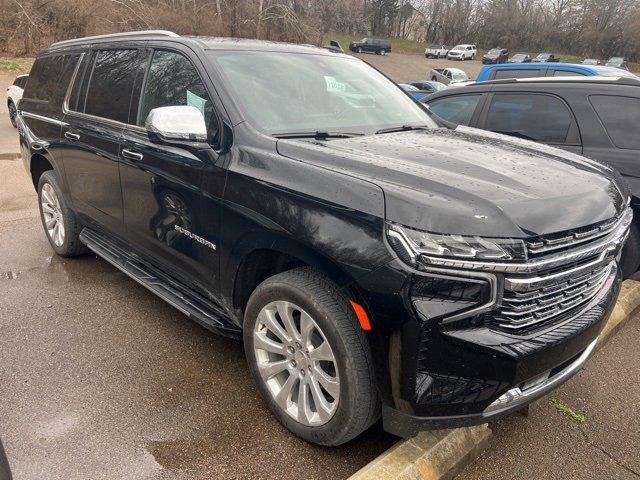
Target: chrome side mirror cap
(179,123)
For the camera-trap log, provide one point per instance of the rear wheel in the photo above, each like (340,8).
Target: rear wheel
(59,221)
(12,113)
(309,358)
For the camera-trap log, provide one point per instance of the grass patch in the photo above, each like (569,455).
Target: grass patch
(567,411)
(16,64)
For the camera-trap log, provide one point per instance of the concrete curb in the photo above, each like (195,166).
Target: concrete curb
(437,454)
(627,305)
(441,454)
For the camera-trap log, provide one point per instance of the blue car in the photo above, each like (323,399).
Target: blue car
(529,70)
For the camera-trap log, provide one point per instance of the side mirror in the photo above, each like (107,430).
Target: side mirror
(178,124)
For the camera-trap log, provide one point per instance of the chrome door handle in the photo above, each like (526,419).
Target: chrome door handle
(72,136)
(132,155)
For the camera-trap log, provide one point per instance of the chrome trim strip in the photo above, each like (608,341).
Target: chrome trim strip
(516,396)
(43,118)
(534,283)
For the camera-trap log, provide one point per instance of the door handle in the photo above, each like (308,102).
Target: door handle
(72,136)
(131,155)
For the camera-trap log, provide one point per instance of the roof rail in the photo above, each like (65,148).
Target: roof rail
(140,33)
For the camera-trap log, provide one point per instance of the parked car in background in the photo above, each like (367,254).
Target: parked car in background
(379,46)
(427,86)
(411,90)
(618,62)
(495,55)
(448,76)
(528,70)
(462,52)
(14,94)
(545,57)
(369,267)
(334,46)
(598,117)
(591,61)
(520,58)
(436,51)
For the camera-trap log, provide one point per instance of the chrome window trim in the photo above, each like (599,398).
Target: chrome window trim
(43,118)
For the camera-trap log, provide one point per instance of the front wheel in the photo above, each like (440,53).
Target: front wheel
(383,52)
(309,358)
(359,49)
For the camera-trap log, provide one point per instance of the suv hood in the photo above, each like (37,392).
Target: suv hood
(472,182)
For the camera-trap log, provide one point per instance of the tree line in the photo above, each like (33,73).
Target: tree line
(592,28)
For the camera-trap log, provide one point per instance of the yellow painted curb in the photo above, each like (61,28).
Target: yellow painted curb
(627,305)
(437,454)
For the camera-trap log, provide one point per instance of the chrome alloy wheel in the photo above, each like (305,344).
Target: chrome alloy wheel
(52,214)
(296,363)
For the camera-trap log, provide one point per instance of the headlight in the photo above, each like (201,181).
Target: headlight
(411,245)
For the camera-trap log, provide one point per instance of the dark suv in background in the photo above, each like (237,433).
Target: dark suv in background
(598,117)
(373,262)
(378,46)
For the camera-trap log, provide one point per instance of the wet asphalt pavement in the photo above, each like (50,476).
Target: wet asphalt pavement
(101,379)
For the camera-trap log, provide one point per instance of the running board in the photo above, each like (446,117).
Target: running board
(192,304)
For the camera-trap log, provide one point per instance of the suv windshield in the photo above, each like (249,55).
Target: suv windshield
(289,92)
(458,47)
(493,51)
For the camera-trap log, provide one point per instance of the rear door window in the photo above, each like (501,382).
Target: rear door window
(44,77)
(110,85)
(458,109)
(517,73)
(621,119)
(539,117)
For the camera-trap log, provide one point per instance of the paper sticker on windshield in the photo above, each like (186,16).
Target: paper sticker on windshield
(194,100)
(334,85)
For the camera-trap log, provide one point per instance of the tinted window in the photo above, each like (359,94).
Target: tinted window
(564,73)
(542,118)
(111,83)
(517,73)
(44,77)
(621,119)
(20,82)
(457,108)
(173,80)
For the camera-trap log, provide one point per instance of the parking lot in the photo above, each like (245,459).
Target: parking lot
(102,379)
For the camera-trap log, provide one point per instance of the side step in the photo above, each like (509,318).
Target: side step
(192,304)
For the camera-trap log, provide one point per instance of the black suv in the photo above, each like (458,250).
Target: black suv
(371,45)
(598,117)
(372,261)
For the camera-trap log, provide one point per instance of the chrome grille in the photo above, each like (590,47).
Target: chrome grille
(529,301)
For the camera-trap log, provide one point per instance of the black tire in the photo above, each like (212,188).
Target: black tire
(12,113)
(71,246)
(359,50)
(358,404)
(630,260)
(434,79)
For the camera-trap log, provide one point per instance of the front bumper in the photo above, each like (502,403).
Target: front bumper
(526,329)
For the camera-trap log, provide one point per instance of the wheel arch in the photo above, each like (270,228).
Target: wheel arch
(259,257)
(39,163)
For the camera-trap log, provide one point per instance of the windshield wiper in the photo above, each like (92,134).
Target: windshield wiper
(517,134)
(401,128)
(318,135)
